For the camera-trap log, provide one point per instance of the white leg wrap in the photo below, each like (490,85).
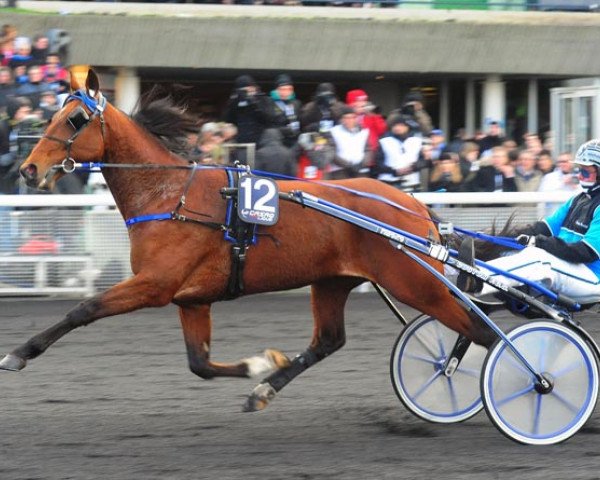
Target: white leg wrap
(259,365)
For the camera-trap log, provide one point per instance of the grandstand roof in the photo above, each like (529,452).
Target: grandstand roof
(378,40)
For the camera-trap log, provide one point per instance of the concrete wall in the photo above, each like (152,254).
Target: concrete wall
(329,39)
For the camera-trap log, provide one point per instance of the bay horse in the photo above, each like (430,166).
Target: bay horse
(189,264)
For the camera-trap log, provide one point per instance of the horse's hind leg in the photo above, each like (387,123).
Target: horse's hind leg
(329,335)
(132,294)
(430,296)
(196,325)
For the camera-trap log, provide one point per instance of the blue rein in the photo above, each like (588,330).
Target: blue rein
(503,241)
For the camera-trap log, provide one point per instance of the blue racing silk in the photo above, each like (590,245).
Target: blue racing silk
(578,220)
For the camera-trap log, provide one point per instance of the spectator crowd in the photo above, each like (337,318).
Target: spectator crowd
(328,138)
(324,138)
(32,84)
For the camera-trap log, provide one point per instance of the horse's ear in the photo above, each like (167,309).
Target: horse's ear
(92,84)
(75,82)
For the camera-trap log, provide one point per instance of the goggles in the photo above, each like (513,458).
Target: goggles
(585,174)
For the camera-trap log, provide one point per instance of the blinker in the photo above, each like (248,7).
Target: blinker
(78,118)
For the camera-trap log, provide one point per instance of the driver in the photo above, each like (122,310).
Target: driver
(563,250)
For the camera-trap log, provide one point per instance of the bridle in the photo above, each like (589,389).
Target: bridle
(78,119)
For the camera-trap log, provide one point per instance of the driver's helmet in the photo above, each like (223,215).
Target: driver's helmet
(588,154)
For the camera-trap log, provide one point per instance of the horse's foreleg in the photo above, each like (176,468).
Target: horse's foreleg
(127,296)
(329,335)
(196,325)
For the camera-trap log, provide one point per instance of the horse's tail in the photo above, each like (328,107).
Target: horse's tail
(484,250)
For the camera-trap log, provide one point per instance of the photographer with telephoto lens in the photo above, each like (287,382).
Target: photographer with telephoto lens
(249,109)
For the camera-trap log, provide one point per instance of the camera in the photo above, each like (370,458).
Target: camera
(408,109)
(242,94)
(242,97)
(326,99)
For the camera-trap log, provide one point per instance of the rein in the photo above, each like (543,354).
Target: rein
(96,107)
(92,166)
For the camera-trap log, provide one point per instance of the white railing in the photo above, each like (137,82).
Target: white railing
(78,244)
(430,198)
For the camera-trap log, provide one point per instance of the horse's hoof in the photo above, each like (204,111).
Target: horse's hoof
(259,398)
(13,363)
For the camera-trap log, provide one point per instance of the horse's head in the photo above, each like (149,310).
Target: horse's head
(75,134)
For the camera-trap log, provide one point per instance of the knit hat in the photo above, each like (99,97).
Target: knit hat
(244,81)
(355,95)
(400,118)
(282,80)
(413,96)
(346,110)
(325,88)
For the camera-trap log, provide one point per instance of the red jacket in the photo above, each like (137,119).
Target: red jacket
(377,127)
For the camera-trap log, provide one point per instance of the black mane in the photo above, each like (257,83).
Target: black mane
(167,120)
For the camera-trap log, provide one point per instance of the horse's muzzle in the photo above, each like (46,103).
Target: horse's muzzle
(29,174)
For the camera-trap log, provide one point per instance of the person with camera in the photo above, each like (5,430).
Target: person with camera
(286,110)
(397,157)
(323,112)
(18,112)
(317,118)
(250,110)
(413,109)
(27,126)
(445,175)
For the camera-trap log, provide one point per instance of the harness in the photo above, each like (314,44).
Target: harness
(239,233)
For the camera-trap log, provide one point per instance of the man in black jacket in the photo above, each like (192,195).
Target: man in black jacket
(250,110)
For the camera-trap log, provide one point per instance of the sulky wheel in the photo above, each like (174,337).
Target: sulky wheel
(519,405)
(428,376)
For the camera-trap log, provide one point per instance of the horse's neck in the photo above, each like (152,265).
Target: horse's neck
(137,190)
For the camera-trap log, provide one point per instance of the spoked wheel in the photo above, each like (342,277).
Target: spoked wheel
(519,405)
(428,381)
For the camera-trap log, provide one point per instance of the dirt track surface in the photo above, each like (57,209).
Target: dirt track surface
(115,400)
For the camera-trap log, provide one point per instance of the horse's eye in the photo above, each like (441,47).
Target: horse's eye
(78,118)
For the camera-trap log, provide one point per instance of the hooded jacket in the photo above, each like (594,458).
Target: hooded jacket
(273,156)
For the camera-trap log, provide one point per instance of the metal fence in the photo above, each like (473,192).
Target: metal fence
(78,244)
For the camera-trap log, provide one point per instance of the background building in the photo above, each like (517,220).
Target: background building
(473,66)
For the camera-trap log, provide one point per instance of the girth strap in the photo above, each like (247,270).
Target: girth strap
(241,234)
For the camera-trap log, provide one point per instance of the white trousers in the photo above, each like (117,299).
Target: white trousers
(574,280)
